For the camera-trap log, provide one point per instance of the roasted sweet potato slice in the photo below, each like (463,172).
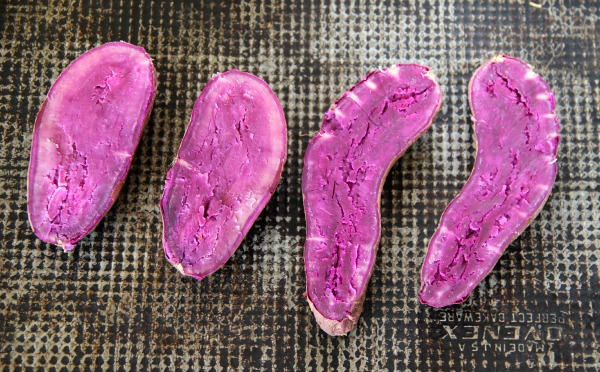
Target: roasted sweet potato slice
(227,168)
(84,138)
(517,137)
(345,167)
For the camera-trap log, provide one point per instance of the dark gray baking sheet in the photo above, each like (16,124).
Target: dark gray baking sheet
(116,303)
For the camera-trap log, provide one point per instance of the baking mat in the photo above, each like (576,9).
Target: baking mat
(116,303)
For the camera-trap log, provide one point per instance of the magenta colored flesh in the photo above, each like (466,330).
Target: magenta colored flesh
(227,168)
(84,139)
(345,166)
(517,138)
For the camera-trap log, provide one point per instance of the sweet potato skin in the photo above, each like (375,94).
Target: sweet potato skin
(227,168)
(517,134)
(84,138)
(345,167)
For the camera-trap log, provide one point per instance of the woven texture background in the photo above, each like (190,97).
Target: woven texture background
(116,303)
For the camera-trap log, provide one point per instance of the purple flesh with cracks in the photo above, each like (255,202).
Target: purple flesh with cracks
(517,135)
(84,138)
(227,168)
(345,167)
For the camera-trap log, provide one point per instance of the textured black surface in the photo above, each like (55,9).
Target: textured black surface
(116,303)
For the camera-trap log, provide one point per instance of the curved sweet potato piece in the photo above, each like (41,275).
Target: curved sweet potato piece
(345,167)
(517,137)
(84,138)
(227,168)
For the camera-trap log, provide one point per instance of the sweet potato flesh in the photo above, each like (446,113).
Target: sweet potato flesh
(84,138)
(227,168)
(517,136)
(345,167)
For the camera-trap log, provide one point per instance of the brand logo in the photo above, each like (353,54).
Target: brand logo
(502,332)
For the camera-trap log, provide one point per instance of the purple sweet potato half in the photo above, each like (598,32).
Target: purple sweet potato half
(226,170)
(345,167)
(84,138)
(517,137)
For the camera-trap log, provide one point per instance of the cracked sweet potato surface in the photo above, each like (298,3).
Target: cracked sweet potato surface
(227,168)
(84,138)
(517,136)
(345,166)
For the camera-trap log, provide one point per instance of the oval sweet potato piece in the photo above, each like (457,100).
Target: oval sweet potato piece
(517,136)
(227,168)
(84,138)
(345,167)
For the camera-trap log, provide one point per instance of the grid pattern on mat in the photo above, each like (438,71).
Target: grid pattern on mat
(115,302)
